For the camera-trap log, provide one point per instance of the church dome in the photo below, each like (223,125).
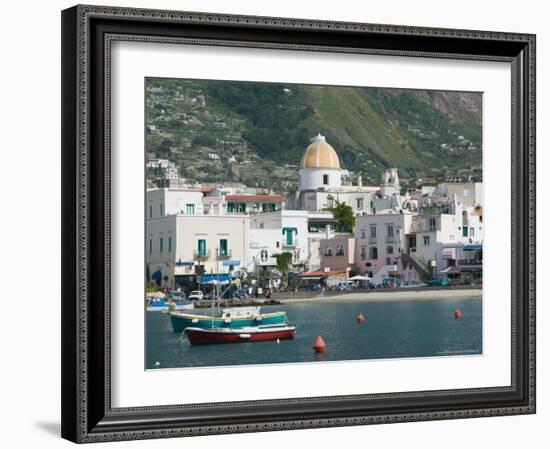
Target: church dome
(320,154)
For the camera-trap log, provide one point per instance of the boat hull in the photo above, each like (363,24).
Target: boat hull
(181,321)
(199,336)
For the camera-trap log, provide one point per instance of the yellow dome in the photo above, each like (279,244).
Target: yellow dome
(320,155)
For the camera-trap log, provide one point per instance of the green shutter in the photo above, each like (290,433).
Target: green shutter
(223,247)
(202,247)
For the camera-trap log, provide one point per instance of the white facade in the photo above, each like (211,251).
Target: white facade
(162,202)
(321,178)
(444,226)
(278,232)
(176,244)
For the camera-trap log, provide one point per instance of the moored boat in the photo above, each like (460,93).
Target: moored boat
(198,335)
(228,318)
(161,305)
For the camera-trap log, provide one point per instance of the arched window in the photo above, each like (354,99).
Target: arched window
(339,250)
(328,251)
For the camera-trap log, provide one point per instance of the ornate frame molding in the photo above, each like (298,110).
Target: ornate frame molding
(86,214)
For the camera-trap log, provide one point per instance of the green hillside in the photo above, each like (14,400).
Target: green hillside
(256,132)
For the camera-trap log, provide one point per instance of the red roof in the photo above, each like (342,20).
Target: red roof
(320,273)
(254,198)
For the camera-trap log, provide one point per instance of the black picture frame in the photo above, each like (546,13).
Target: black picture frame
(87,415)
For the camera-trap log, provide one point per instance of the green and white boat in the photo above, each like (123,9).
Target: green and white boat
(231,317)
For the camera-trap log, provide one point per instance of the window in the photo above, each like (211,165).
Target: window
(169,244)
(278,245)
(431,224)
(289,232)
(373,232)
(201,247)
(190,209)
(150,246)
(363,234)
(390,230)
(373,252)
(389,250)
(223,247)
(363,252)
(388,260)
(328,251)
(161,246)
(426,240)
(161,209)
(150,211)
(465,231)
(360,203)
(339,250)
(472,232)
(325,180)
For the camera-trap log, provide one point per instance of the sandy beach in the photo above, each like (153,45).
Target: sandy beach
(387,296)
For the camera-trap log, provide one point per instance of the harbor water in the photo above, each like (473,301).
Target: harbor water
(393,329)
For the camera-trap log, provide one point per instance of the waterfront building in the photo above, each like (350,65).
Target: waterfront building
(440,237)
(180,247)
(277,232)
(338,253)
(380,239)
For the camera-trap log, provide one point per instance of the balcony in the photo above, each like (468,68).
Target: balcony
(390,239)
(225,255)
(201,256)
(292,244)
(372,240)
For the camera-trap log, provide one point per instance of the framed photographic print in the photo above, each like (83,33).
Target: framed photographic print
(276,224)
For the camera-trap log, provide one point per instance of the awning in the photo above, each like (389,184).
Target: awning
(471,269)
(222,277)
(156,276)
(473,247)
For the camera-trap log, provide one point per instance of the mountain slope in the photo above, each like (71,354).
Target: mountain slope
(260,130)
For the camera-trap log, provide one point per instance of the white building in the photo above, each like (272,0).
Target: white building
(278,232)
(178,246)
(161,202)
(439,234)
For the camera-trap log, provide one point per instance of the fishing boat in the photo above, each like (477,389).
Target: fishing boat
(199,335)
(161,305)
(234,317)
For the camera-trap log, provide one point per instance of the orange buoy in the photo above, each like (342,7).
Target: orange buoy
(458,314)
(360,318)
(319,345)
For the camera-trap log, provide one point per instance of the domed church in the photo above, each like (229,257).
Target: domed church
(320,166)
(323,181)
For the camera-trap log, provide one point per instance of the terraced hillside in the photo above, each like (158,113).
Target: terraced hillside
(256,132)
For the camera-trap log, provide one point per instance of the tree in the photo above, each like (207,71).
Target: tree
(283,261)
(344,214)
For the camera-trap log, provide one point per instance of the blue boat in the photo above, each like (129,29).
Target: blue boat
(231,317)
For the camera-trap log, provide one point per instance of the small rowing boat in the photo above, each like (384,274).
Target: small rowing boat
(199,335)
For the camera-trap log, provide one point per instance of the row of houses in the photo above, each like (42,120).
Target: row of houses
(199,232)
